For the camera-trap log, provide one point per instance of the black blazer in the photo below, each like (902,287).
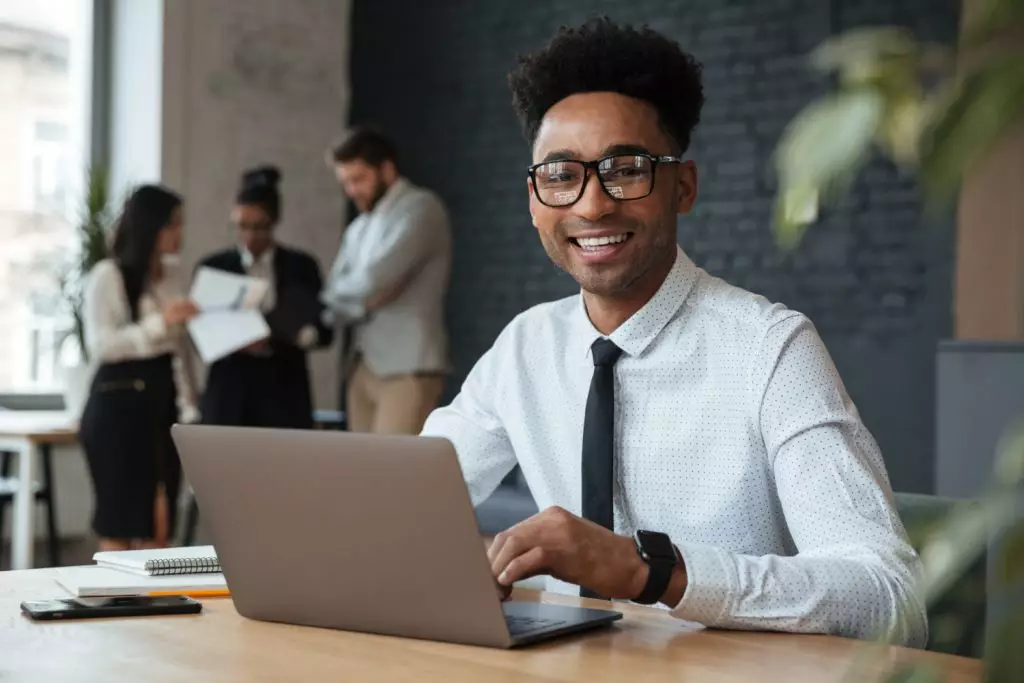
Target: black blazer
(270,391)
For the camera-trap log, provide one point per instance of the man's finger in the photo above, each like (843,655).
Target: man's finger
(501,541)
(530,563)
(496,546)
(503,591)
(513,546)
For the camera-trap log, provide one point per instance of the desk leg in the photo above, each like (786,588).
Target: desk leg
(23,523)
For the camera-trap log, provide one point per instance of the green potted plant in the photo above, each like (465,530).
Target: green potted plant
(913,102)
(93,245)
(939,117)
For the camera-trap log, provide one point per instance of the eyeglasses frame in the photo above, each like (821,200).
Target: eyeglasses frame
(595,165)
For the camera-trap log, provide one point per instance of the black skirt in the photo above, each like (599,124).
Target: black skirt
(125,433)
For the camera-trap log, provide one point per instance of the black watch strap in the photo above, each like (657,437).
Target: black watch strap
(657,582)
(659,576)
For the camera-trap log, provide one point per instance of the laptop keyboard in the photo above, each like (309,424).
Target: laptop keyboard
(522,625)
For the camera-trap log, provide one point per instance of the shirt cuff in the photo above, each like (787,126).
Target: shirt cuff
(189,414)
(710,582)
(343,308)
(307,337)
(352,310)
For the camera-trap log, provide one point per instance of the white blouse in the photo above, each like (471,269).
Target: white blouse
(111,336)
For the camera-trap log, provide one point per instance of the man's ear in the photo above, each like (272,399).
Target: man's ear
(530,200)
(688,185)
(389,172)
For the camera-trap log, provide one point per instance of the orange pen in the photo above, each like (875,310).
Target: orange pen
(192,594)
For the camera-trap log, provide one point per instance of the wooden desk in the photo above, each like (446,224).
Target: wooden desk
(27,433)
(219,645)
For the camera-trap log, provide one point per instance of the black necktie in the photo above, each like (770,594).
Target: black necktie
(599,440)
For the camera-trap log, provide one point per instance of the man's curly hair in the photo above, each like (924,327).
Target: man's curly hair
(602,56)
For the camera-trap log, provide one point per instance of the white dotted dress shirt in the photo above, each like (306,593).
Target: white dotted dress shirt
(733,435)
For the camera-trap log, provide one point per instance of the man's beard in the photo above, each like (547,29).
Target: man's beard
(654,244)
(378,194)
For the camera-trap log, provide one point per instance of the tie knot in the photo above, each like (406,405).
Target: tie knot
(605,352)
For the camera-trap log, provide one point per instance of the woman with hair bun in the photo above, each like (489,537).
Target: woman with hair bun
(267,384)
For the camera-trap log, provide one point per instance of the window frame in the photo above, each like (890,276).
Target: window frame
(98,154)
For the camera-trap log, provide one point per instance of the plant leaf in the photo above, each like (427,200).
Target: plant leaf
(93,232)
(829,137)
(967,125)
(900,131)
(1008,479)
(991,20)
(818,154)
(1009,466)
(1010,563)
(960,539)
(796,208)
(860,49)
(97,185)
(1004,656)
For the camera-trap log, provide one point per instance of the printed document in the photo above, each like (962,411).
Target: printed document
(230,318)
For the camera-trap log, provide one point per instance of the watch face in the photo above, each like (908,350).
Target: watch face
(656,545)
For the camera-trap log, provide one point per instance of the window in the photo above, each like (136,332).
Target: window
(45,82)
(50,181)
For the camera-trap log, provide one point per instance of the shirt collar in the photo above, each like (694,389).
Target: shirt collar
(248,260)
(637,333)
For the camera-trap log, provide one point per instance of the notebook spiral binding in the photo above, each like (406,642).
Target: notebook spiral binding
(183,565)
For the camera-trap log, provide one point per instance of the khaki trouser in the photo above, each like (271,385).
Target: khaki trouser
(391,405)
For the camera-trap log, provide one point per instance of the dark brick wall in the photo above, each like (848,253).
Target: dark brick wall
(874,276)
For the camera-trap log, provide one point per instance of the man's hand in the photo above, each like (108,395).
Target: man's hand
(559,543)
(179,311)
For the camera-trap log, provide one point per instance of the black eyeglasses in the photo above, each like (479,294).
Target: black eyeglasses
(623,177)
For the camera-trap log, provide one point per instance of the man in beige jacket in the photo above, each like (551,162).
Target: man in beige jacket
(388,283)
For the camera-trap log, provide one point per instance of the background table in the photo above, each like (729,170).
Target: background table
(27,433)
(219,645)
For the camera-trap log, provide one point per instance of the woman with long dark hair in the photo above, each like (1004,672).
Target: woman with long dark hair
(267,384)
(134,318)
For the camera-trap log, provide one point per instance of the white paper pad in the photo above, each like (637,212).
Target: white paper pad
(230,318)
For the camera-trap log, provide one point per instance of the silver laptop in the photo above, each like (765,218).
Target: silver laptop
(356,532)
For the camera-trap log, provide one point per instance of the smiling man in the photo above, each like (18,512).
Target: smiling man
(688,442)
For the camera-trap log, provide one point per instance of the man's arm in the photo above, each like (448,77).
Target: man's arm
(855,573)
(410,236)
(382,299)
(472,425)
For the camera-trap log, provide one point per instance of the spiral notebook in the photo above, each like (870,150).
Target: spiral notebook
(162,562)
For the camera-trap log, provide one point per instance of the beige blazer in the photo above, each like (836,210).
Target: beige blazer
(405,238)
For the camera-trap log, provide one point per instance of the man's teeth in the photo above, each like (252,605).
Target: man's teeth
(594,242)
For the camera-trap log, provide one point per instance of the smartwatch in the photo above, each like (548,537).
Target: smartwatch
(657,551)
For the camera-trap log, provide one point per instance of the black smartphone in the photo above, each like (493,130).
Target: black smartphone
(93,608)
